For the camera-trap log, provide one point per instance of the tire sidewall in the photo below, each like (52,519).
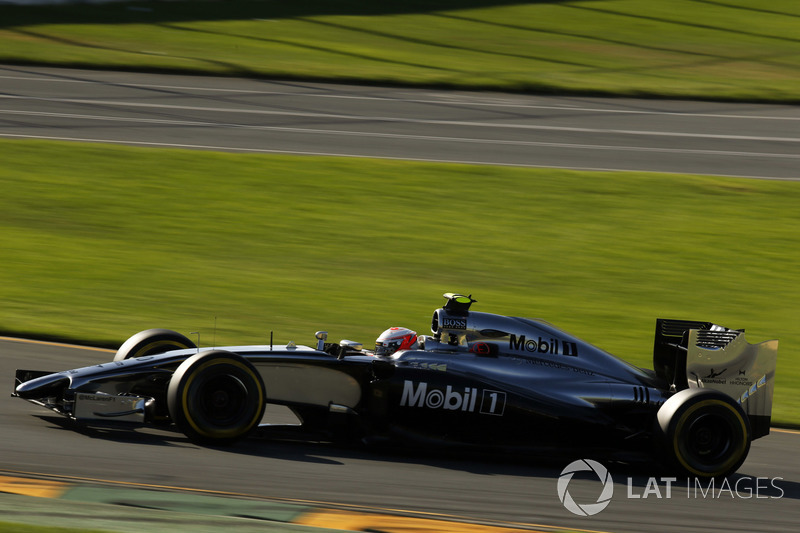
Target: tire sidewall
(188,390)
(151,342)
(684,415)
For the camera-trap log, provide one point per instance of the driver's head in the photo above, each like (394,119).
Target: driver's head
(395,339)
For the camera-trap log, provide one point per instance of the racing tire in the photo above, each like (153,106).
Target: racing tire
(702,433)
(216,398)
(152,342)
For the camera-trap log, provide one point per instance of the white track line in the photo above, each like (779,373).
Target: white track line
(368,156)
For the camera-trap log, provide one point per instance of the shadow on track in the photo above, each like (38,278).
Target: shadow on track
(321,452)
(642,480)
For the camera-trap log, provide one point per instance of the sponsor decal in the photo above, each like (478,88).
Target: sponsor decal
(96,398)
(713,374)
(469,399)
(752,390)
(539,345)
(535,361)
(483,348)
(454,323)
(441,367)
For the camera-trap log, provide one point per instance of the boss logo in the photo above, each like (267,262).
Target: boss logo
(454,323)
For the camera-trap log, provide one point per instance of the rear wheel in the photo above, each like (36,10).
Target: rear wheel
(703,433)
(216,397)
(151,342)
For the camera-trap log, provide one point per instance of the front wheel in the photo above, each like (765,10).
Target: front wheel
(216,397)
(151,342)
(703,433)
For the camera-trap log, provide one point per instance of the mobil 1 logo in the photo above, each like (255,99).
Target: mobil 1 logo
(468,399)
(540,345)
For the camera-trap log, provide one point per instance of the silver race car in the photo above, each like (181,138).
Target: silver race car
(480,380)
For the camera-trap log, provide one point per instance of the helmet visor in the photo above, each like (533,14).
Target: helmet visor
(386,348)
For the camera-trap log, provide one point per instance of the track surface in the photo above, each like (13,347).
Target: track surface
(306,118)
(469,488)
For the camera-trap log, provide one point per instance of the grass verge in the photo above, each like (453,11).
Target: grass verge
(9,527)
(102,241)
(723,49)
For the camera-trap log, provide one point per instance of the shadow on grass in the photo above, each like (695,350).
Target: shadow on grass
(153,12)
(227,66)
(705,58)
(433,43)
(602,38)
(747,8)
(170,15)
(307,47)
(375,33)
(709,26)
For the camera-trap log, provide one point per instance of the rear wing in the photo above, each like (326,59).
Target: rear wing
(690,354)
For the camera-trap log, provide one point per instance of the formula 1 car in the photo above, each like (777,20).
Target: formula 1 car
(480,380)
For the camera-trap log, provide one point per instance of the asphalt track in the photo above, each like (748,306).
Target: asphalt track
(747,140)
(498,492)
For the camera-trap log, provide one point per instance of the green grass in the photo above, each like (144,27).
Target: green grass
(9,527)
(717,49)
(99,242)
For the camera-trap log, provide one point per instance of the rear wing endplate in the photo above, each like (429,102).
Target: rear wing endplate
(713,357)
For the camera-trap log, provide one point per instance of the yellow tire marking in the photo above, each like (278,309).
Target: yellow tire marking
(185,399)
(682,421)
(32,487)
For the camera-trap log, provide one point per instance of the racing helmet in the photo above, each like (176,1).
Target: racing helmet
(395,339)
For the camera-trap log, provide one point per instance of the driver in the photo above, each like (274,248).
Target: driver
(395,339)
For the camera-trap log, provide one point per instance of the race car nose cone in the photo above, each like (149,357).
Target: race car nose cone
(41,387)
